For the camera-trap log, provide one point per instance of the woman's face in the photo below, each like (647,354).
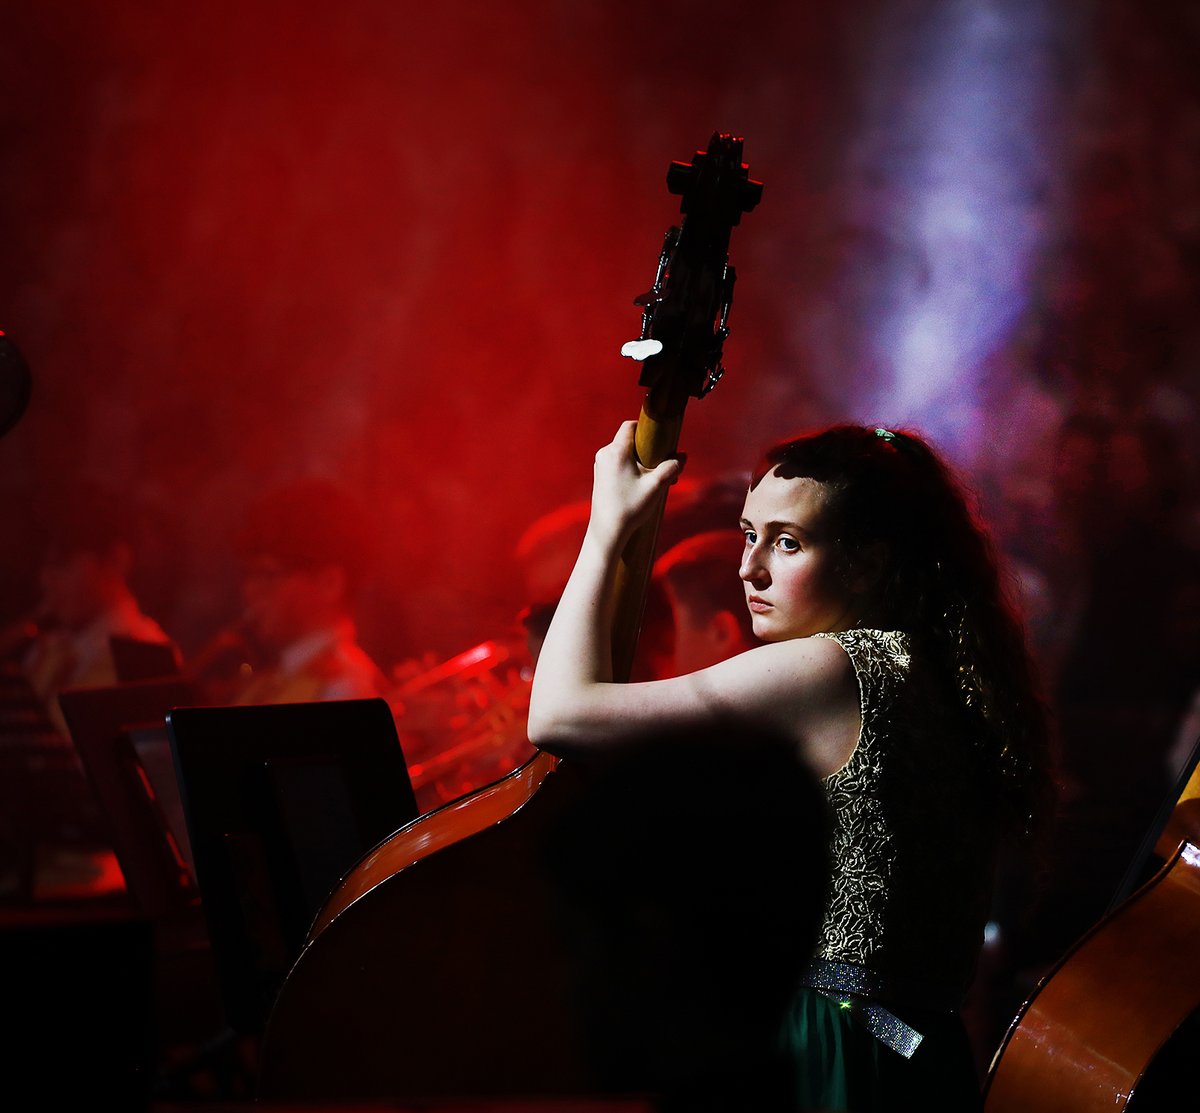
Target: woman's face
(789,563)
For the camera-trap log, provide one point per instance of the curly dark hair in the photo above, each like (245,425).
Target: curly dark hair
(938,579)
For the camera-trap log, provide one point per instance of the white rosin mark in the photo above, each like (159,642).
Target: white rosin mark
(641,349)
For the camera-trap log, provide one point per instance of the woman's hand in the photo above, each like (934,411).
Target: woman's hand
(623,491)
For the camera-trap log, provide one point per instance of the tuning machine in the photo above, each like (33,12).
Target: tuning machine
(650,300)
(716,369)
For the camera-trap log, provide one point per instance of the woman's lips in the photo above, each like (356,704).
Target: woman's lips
(757,605)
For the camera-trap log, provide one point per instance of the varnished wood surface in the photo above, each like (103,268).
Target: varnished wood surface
(1087,1036)
(446,977)
(453,822)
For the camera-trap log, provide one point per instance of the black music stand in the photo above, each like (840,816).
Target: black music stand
(281,801)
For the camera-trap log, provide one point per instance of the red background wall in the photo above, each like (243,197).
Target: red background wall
(397,244)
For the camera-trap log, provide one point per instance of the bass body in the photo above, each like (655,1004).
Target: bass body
(1116,1024)
(442,965)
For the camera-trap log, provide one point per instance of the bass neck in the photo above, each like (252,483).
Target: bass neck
(657,440)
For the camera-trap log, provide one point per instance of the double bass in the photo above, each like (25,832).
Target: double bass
(1115,1025)
(436,967)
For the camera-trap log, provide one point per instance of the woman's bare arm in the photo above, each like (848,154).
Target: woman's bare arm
(804,688)
(577,649)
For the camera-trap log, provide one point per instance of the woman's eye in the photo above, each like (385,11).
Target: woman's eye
(788,544)
(751,536)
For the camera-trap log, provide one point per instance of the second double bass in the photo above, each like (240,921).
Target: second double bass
(435,968)
(1114,1025)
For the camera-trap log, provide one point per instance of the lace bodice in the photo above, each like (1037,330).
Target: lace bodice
(912,845)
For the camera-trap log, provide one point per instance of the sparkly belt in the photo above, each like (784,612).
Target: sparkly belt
(856,989)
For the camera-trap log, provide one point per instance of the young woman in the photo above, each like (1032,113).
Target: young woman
(892,659)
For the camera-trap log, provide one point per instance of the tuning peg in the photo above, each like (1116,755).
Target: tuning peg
(654,295)
(714,376)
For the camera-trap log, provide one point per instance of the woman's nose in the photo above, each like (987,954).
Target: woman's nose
(752,570)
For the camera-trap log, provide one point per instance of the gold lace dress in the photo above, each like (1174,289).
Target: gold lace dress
(912,853)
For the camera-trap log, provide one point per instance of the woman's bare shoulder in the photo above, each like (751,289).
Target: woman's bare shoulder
(785,682)
(807,688)
(814,660)
(795,687)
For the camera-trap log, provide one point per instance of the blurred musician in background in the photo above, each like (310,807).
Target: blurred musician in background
(87,598)
(462,720)
(305,550)
(545,555)
(711,619)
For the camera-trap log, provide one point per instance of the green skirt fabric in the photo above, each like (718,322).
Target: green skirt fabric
(840,1066)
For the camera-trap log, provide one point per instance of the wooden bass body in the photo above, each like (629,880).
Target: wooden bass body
(408,965)
(1116,1025)
(441,966)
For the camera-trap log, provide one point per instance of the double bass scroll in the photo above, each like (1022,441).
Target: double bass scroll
(685,314)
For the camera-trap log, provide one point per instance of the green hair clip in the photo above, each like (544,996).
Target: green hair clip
(886,434)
